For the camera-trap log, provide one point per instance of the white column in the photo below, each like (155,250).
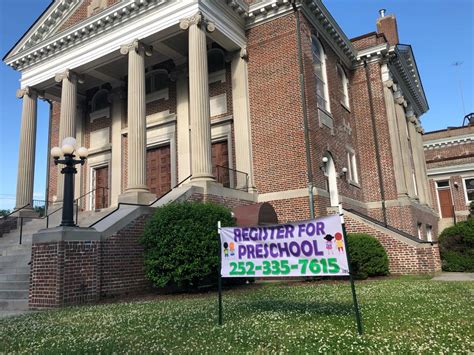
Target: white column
(199,97)
(137,191)
(241,113)
(80,142)
(26,157)
(116,168)
(182,111)
(67,118)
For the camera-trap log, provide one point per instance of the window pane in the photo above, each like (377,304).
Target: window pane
(443,183)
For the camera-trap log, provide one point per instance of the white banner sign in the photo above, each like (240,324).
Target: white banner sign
(308,248)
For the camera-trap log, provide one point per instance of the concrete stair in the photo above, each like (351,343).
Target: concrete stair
(15,258)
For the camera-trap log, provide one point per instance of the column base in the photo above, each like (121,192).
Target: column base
(137,196)
(202,177)
(27,213)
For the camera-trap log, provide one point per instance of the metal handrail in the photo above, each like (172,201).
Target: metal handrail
(86,194)
(393,229)
(15,211)
(138,204)
(219,167)
(75,202)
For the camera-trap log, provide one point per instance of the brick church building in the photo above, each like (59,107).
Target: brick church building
(237,102)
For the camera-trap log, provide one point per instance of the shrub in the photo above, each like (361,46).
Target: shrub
(368,257)
(456,246)
(181,244)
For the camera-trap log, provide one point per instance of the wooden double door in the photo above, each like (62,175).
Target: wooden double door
(220,162)
(158,170)
(101,193)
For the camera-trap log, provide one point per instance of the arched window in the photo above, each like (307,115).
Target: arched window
(319,65)
(343,85)
(156,80)
(100,100)
(215,60)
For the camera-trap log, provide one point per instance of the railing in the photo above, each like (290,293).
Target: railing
(7,223)
(393,229)
(138,204)
(231,178)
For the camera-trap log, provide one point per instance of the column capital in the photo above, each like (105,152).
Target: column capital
(388,83)
(199,20)
(243,53)
(137,46)
(70,75)
(29,91)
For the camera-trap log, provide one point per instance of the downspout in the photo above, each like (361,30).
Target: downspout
(48,155)
(376,142)
(309,167)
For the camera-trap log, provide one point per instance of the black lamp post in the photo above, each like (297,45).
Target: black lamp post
(68,149)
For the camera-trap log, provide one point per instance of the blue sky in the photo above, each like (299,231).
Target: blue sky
(440,31)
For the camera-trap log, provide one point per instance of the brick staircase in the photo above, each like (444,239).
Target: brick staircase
(15,258)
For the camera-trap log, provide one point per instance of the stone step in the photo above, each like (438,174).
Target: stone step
(15,270)
(24,249)
(14,263)
(14,259)
(15,277)
(13,305)
(14,285)
(13,294)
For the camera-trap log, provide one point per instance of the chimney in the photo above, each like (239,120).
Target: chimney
(387,24)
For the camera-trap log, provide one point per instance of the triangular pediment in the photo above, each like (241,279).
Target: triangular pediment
(52,20)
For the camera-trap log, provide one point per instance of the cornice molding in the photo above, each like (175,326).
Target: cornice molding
(447,142)
(95,25)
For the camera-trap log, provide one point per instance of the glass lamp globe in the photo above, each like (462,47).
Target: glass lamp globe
(69,141)
(56,152)
(68,149)
(82,152)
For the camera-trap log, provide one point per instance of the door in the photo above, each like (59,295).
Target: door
(101,187)
(220,163)
(158,170)
(445,203)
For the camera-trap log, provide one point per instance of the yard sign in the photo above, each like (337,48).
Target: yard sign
(308,248)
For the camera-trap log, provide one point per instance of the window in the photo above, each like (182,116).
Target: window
(420,231)
(352,167)
(414,183)
(444,183)
(343,85)
(215,60)
(469,185)
(100,100)
(156,80)
(319,66)
(429,233)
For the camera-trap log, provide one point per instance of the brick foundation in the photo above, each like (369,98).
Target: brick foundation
(405,257)
(78,272)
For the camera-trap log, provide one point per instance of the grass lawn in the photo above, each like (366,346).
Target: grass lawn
(409,315)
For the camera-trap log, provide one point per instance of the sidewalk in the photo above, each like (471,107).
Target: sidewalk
(454,276)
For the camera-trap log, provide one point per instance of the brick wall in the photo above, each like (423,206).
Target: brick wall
(80,14)
(403,258)
(275,109)
(54,142)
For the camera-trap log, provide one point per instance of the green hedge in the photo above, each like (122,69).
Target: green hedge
(181,244)
(368,257)
(456,246)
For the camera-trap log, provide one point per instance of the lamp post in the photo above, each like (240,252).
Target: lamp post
(68,149)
